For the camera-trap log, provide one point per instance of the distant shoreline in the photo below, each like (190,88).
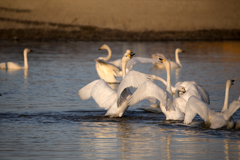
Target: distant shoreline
(99,34)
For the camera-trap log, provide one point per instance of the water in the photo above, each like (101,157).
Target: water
(41,115)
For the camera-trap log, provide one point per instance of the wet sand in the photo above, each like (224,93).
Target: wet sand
(97,34)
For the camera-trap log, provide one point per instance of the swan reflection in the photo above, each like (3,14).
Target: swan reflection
(133,140)
(25,73)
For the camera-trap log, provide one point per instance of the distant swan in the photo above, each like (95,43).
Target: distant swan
(110,70)
(214,118)
(15,66)
(115,102)
(167,104)
(176,64)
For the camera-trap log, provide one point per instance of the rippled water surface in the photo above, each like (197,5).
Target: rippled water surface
(41,115)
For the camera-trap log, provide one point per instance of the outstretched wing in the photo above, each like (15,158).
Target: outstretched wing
(195,106)
(117,63)
(85,92)
(148,90)
(103,94)
(205,95)
(100,91)
(233,107)
(132,79)
(135,60)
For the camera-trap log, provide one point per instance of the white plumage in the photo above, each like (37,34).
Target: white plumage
(176,64)
(214,118)
(110,70)
(15,66)
(116,102)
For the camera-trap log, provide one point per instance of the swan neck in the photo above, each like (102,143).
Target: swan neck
(225,105)
(109,54)
(25,59)
(169,89)
(177,58)
(160,79)
(123,68)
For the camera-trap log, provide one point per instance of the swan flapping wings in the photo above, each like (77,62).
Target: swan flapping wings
(100,91)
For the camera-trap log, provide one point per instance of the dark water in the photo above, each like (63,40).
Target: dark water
(41,115)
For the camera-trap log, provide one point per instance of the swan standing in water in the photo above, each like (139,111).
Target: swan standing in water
(115,102)
(15,66)
(167,104)
(215,119)
(180,101)
(176,64)
(203,94)
(110,70)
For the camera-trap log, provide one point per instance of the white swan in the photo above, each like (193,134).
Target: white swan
(110,70)
(151,90)
(176,64)
(105,70)
(15,66)
(192,90)
(167,104)
(104,46)
(203,94)
(214,118)
(106,97)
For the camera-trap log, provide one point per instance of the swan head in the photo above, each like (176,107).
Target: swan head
(104,46)
(181,89)
(128,55)
(161,60)
(26,50)
(179,50)
(230,82)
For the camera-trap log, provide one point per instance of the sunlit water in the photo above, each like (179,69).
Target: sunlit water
(41,115)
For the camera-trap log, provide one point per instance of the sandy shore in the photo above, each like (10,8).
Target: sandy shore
(132,20)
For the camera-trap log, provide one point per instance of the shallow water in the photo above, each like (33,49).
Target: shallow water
(41,115)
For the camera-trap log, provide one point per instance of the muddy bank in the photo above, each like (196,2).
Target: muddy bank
(97,34)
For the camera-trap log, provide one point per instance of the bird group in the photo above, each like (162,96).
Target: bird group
(190,98)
